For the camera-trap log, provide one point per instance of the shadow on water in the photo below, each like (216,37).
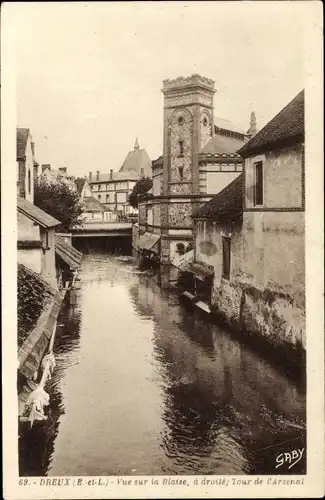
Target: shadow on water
(226,409)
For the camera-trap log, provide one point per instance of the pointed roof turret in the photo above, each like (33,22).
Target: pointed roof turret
(136,145)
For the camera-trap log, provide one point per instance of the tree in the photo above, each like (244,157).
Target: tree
(58,200)
(141,187)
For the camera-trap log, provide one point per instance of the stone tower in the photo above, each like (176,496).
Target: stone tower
(188,125)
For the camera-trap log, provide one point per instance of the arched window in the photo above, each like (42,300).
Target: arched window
(29,182)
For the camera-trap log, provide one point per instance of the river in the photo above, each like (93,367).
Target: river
(144,386)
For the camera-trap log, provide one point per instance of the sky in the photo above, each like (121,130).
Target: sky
(89,76)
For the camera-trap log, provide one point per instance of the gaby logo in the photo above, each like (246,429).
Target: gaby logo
(291,458)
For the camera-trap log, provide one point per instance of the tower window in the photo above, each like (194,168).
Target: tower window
(181,172)
(181,148)
(258,183)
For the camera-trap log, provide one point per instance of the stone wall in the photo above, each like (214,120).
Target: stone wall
(265,295)
(156,214)
(266,313)
(180,214)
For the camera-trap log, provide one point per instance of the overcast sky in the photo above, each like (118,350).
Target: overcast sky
(89,76)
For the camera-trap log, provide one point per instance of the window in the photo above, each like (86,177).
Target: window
(99,187)
(29,182)
(107,198)
(226,258)
(180,121)
(46,240)
(99,196)
(181,148)
(181,172)
(205,121)
(258,183)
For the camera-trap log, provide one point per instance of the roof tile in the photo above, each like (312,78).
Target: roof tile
(37,214)
(225,206)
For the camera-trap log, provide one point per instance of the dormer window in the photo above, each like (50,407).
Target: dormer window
(181,148)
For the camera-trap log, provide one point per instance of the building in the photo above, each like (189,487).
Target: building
(36,240)
(67,262)
(251,236)
(27,167)
(113,189)
(94,211)
(199,159)
(83,188)
(49,174)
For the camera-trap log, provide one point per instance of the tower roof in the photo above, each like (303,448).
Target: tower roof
(137,161)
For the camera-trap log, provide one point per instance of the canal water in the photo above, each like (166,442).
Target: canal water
(143,386)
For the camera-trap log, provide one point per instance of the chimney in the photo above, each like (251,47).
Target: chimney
(46,166)
(111,174)
(252,126)
(97,175)
(90,175)
(35,173)
(63,170)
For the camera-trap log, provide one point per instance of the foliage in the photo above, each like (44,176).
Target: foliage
(141,187)
(180,248)
(32,297)
(58,200)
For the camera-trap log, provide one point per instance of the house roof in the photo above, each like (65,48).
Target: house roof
(80,182)
(222,144)
(116,176)
(224,124)
(93,205)
(225,206)
(22,138)
(288,126)
(67,252)
(37,214)
(146,240)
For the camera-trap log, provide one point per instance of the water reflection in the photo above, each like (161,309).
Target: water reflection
(143,386)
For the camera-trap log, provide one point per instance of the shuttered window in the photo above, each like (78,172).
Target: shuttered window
(226,247)
(258,187)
